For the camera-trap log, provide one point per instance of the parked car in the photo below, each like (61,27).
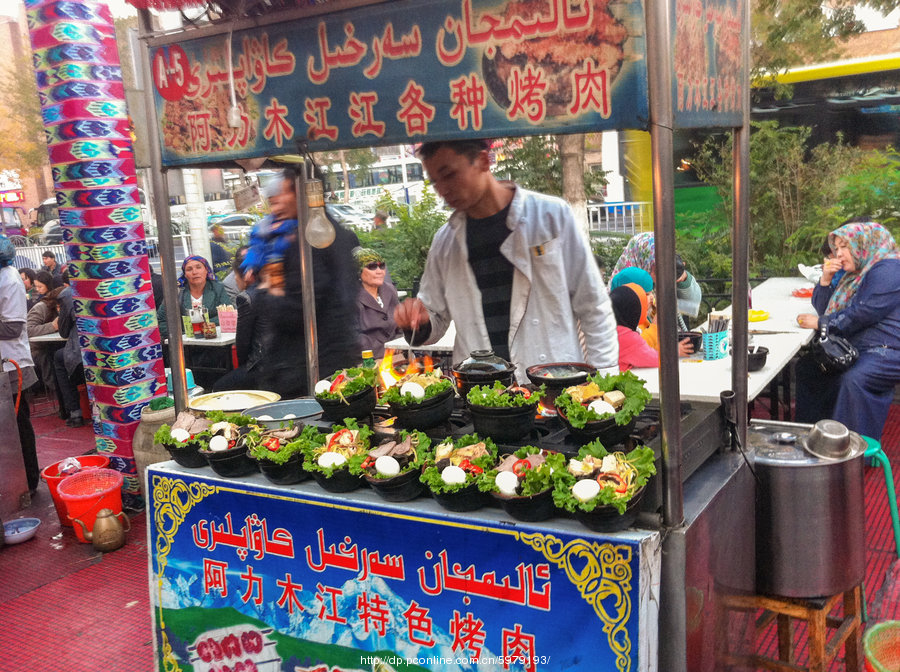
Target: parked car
(236,224)
(350,216)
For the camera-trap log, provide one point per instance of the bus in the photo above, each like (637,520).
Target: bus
(401,175)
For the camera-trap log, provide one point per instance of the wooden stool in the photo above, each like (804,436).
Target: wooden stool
(815,612)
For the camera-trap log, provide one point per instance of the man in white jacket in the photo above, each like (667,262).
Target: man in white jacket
(510,268)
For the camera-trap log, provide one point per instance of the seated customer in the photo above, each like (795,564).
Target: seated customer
(630,307)
(43,319)
(198,289)
(865,309)
(67,361)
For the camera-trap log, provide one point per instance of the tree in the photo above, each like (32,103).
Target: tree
(22,142)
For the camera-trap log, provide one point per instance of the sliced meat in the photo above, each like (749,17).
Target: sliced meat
(383,449)
(507,463)
(184,421)
(536,460)
(199,425)
(284,434)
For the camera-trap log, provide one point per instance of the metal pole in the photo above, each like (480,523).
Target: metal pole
(164,224)
(307,280)
(740,242)
(659,62)
(672,624)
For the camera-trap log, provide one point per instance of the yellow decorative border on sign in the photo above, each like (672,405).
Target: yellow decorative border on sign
(602,574)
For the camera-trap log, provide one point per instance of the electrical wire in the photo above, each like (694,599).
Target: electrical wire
(19,386)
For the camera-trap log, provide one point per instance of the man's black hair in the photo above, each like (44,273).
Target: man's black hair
(239,258)
(679,266)
(468,148)
(48,255)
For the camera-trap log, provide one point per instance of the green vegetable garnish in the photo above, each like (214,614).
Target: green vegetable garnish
(431,476)
(533,481)
(356,454)
(636,398)
(349,382)
(309,439)
(393,396)
(500,396)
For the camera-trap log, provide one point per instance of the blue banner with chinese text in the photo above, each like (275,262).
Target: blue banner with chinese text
(401,72)
(257,578)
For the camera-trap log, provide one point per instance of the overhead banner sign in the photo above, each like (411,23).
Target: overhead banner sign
(401,72)
(708,66)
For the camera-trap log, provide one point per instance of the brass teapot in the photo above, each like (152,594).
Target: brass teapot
(108,533)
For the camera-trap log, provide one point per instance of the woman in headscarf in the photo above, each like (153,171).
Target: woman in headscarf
(629,302)
(865,309)
(42,319)
(641,252)
(199,289)
(375,302)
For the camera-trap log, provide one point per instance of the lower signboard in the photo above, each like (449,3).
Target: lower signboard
(250,577)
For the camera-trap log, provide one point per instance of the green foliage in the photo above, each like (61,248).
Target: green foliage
(797,195)
(536,164)
(499,396)
(607,250)
(22,140)
(636,397)
(405,245)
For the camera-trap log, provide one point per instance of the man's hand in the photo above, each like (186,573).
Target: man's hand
(411,314)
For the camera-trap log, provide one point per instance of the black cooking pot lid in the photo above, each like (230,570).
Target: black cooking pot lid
(483,361)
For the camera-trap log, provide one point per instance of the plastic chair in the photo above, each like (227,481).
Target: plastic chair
(876,457)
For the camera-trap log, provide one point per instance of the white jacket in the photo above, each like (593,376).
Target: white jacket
(556,289)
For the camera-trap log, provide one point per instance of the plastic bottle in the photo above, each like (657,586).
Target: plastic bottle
(368,359)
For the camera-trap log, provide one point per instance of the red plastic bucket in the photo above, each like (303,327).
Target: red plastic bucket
(86,493)
(881,645)
(51,475)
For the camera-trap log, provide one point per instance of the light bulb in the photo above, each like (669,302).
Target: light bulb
(319,230)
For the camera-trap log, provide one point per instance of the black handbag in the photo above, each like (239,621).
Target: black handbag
(833,354)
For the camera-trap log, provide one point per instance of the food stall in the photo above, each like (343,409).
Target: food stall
(331,581)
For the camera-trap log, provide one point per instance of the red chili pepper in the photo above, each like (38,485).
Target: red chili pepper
(519,467)
(621,485)
(368,462)
(524,391)
(337,381)
(468,466)
(272,443)
(337,436)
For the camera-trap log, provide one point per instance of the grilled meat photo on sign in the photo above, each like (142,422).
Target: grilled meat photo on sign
(560,55)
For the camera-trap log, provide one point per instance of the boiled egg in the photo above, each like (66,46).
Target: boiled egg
(453,475)
(506,482)
(331,459)
(585,489)
(415,390)
(601,407)
(218,443)
(322,386)
(387,466)
(265,417)
(180,434)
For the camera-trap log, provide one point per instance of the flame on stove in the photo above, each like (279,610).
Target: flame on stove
(388,376)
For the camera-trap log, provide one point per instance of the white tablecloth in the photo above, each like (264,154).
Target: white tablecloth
(702,380)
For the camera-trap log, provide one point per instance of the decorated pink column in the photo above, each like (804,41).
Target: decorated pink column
(86,123)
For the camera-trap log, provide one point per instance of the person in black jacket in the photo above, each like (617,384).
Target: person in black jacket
(274,259)
(67,360)
(248,338)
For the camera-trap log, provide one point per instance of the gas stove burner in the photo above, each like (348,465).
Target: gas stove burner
(784,437)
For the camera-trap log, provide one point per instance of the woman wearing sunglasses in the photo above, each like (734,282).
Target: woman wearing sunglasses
(375,302)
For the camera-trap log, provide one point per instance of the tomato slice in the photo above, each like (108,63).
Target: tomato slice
(519,467)
(611,478)
(465,465)
(337,382)
(336,439)
(272,443)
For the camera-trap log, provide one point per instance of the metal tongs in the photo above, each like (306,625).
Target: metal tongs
(409,348)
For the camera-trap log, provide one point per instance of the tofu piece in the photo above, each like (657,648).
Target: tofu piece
(615,398)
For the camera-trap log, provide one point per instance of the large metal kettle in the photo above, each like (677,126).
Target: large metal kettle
(108,533)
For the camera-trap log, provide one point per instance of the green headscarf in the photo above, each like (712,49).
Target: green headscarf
(366,255)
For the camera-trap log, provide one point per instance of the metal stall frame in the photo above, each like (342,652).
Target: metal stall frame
(660,56)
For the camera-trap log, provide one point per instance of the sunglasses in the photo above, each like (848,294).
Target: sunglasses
(372,265)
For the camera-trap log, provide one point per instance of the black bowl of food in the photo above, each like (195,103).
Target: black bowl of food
(523,482)
(393,468)
(607,431)
(357,405)
(230,463)
(421,400)
(187,453)
(505,423)
(531,508)
(452,471)
(284,473)
(558,376)
(756,358)
(695,336)
(482,367)
(400,488)
(340,480)
(606,517)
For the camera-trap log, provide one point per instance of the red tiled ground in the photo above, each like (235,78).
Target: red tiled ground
(65,607)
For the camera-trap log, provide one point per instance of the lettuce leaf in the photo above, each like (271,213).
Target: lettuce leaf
(357,379)
(309,438)
(393,396)
(534,480)
(311,454)
(499,396)
(431,476)
(421,443)
(636,398)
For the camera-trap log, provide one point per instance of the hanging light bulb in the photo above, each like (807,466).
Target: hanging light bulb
(319,230)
